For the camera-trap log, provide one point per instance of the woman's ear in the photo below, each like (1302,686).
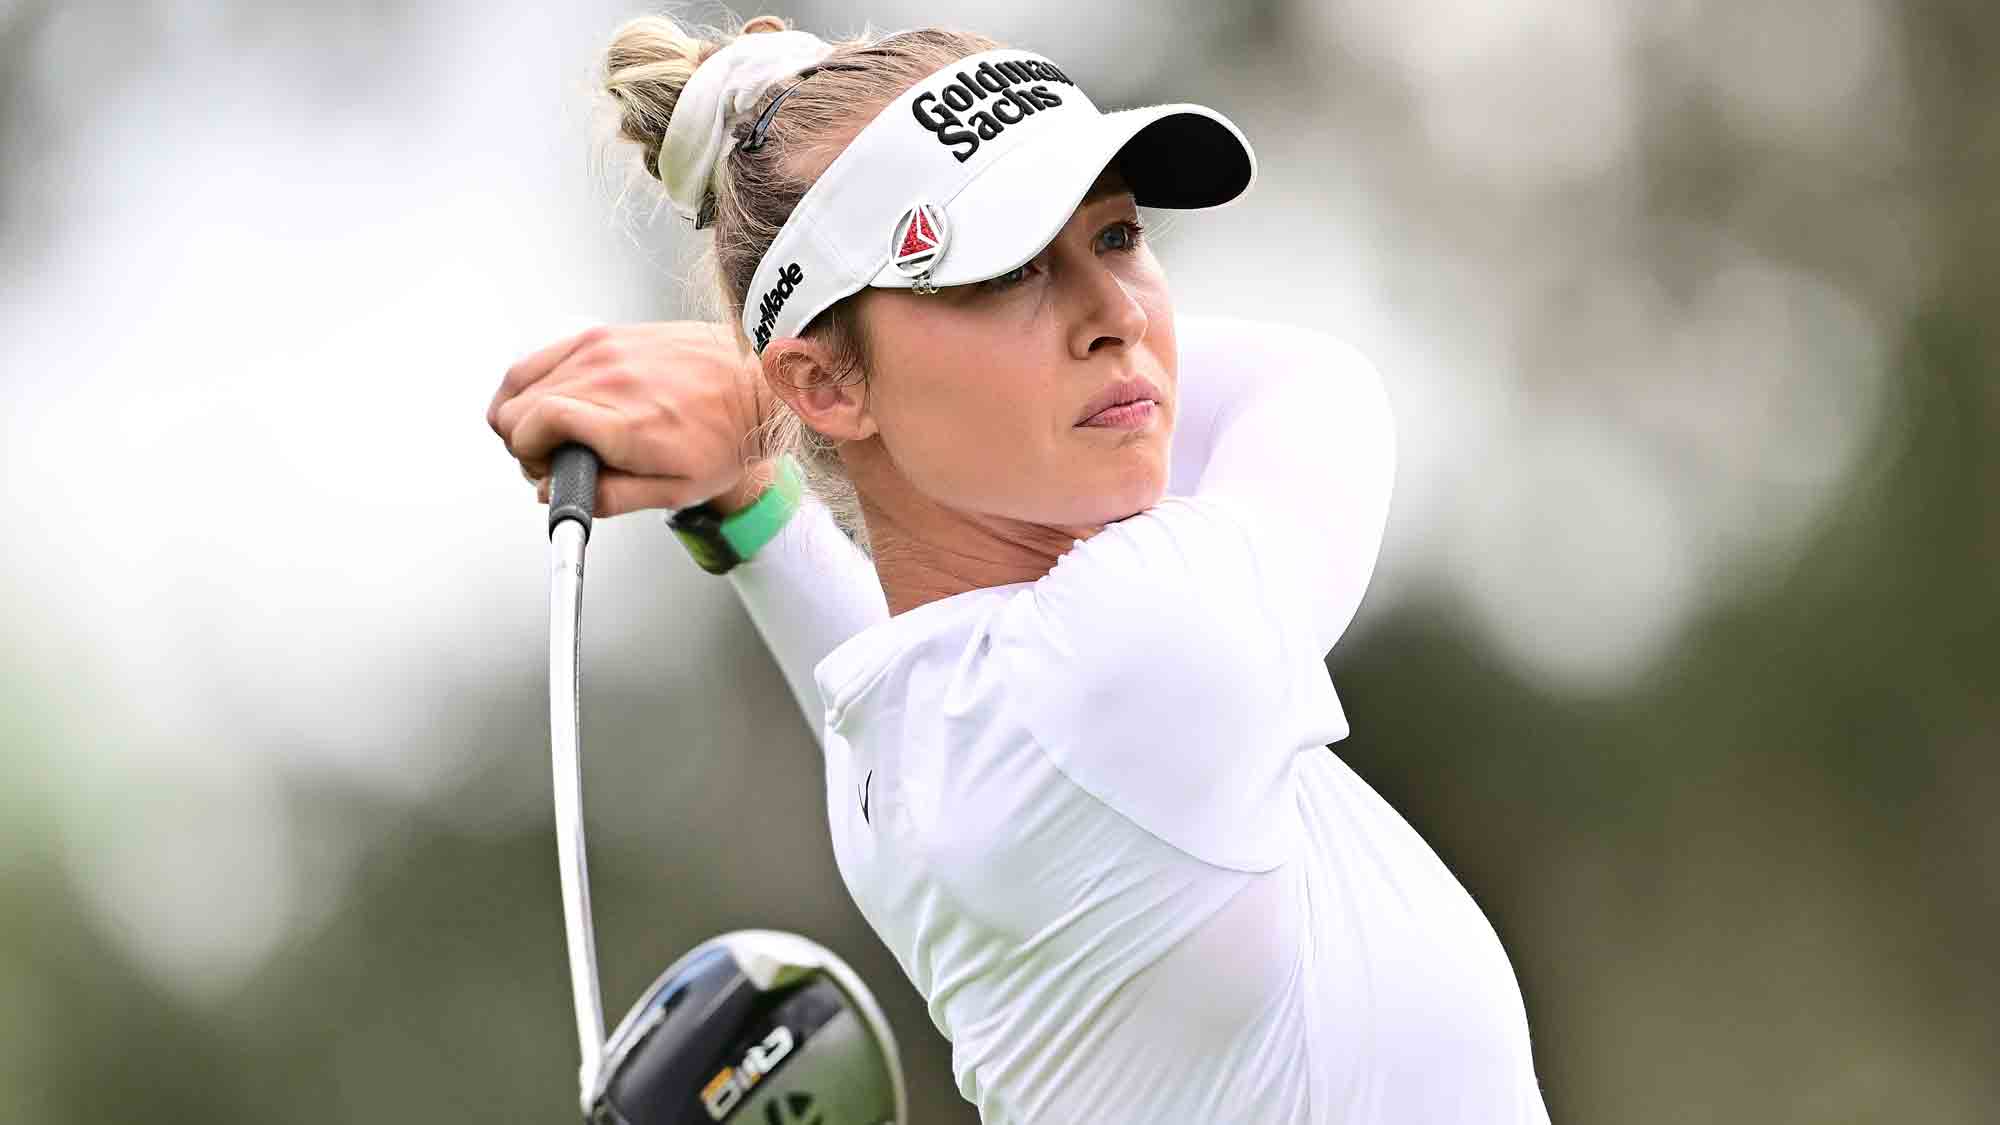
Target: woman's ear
(801,372)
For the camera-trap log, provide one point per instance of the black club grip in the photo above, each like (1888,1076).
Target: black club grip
(572,486)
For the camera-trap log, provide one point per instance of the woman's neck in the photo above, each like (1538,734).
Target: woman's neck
(924,552)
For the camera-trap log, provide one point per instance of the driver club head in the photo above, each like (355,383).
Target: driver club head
(755,1027)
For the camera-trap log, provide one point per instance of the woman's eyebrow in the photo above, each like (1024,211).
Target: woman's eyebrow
(1104,192)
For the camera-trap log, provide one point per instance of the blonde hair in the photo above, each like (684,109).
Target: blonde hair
(648,64)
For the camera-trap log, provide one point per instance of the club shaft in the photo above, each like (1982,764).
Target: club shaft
(566,545)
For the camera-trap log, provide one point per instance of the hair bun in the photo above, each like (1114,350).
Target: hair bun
(648,64)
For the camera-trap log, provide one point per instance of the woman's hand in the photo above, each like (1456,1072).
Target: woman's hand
(672,410)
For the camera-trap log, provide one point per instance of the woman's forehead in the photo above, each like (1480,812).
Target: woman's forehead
(1108,187)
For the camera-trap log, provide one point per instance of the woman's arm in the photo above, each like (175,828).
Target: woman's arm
(807,590)
(1291,427)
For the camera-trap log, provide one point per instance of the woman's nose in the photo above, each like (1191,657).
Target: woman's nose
(1107,312)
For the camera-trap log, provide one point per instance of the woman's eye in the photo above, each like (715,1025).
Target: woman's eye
(1133,231)
(1007,279)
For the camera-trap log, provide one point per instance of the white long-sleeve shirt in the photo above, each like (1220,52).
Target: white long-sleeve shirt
(1094,816)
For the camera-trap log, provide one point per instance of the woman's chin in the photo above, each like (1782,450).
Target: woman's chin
(1128,501)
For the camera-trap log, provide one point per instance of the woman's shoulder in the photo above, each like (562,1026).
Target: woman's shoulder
(1147,666)
(910,649)
(1169,600)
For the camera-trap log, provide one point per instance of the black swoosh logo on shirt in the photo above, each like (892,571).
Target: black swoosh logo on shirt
(866,786)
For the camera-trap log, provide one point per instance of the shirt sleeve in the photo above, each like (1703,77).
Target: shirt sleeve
(1173,664)
(808,590)
(1291,428)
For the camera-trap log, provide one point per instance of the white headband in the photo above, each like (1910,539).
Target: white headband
(969,174)
(723,88)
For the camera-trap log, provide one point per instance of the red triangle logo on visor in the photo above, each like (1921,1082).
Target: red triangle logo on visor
(918,241)
(918,236)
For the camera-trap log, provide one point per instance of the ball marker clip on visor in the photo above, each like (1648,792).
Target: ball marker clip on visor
(969,174)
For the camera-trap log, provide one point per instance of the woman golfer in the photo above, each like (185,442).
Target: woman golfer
(1057,594)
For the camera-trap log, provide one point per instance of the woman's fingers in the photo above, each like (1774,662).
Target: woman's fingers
(664,406)
(531,367)
(620,492)
(557,418)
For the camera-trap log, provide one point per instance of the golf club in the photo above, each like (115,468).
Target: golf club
(756,1026)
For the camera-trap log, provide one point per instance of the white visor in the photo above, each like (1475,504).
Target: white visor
(969,174)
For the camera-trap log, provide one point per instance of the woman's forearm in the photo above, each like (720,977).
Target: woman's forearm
(807,590)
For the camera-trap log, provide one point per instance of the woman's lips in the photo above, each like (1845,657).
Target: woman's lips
(1129,416)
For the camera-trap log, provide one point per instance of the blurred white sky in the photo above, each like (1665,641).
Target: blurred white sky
(288,258)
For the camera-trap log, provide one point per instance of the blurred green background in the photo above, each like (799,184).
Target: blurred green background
(1682,652)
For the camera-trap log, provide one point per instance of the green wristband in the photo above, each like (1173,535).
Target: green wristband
(756,525)
(718,543)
